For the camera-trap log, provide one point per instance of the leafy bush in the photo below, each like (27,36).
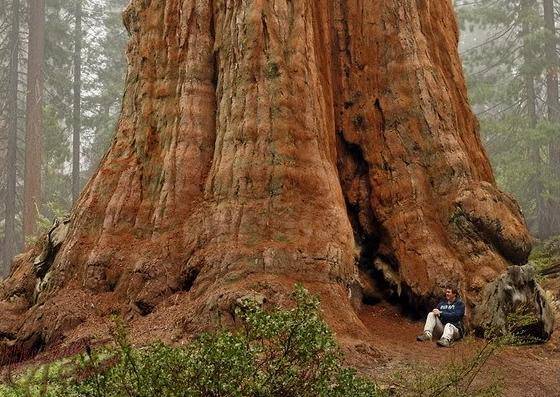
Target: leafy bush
(546,254)
(522,326)
(277,353)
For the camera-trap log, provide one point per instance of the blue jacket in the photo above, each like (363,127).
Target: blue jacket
(452,313)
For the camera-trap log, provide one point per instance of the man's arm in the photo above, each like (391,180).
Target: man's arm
(437,310)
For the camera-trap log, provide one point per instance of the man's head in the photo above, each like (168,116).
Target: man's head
(451,293)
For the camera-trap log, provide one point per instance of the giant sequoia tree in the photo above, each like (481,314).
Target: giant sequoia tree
(263,143)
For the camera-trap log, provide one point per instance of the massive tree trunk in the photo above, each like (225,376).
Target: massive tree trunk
(263,143)
(34,121)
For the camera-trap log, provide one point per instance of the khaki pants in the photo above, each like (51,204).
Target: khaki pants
(436,328)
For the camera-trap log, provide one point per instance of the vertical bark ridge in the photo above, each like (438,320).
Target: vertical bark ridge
(150,181)
(268,135)
(452,80)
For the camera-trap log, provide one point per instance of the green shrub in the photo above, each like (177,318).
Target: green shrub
(546,254)
(522,326)
(277,353)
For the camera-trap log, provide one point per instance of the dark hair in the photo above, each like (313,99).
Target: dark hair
(453,288)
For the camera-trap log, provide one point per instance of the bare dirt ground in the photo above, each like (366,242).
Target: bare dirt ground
(523,370)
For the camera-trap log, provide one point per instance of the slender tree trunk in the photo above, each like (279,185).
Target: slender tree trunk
(526,7)
(553,106)
(11,155)
(76,108)
(34,126)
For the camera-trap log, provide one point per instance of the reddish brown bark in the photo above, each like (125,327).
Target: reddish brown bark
(271,142)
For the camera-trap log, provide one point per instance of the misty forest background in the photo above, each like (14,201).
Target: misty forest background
(62,73)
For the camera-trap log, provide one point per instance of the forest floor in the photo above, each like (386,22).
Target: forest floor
(522,370)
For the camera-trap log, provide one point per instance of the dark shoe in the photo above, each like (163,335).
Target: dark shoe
(443,342)
(424,337)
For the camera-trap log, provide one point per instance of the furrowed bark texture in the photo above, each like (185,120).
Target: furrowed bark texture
(263,143)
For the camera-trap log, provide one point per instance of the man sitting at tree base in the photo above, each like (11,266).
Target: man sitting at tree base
(445,320)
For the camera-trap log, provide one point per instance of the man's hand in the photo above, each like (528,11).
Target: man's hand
(436,312)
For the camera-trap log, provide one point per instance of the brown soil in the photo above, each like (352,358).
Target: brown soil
(524,370)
